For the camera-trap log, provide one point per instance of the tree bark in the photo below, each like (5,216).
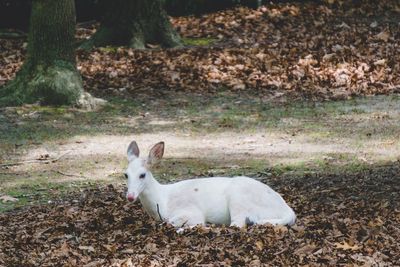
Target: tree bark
(48,75)
(134,23)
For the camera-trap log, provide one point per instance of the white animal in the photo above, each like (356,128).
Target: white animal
(233,201)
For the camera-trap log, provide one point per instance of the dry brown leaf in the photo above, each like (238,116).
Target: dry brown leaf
(384,36)
(306,249)
(380,62)
(347,246)
(88,248)
(259,245)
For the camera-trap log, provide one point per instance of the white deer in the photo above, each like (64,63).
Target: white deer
(233,201)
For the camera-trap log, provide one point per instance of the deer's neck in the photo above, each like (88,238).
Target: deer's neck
(153,199)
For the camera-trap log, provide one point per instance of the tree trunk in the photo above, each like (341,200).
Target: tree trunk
(49,73)
(134,23)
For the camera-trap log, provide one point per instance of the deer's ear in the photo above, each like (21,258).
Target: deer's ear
(156,153)
(133,151)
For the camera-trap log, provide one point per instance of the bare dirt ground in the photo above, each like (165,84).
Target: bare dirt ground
(363,131)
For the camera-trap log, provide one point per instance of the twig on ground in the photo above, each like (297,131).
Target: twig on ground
(222,235)
(34,161)
(18,163)
(280,252)
(70,174)
(57,159)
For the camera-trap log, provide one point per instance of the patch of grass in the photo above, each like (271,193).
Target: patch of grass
(328,164)
(109,49)
(227,121)
(353,121)
(34,124)
(198,41)
(176,169)
(35,193)
(39,191)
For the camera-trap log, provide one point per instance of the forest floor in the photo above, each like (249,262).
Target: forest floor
(300,96)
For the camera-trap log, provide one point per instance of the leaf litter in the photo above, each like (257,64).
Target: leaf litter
(302,49)
(343,219)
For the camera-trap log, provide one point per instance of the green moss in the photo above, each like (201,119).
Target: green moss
(198,41)
(56,86)
(48,110)
(109,49)
(59,84)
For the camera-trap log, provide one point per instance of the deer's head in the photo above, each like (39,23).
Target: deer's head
(138,171)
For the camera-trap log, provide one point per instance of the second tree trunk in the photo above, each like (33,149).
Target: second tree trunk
(134,23)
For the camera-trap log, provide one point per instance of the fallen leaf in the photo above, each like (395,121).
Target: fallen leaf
(384,36)
(307,249)
(6,198)
(259,245)
(88,248)
(347,246)
(380,62)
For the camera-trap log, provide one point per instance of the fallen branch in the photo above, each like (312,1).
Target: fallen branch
(222,235)
(18,163)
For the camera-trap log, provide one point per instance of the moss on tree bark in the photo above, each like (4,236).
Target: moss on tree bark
(49,73)
(134,23)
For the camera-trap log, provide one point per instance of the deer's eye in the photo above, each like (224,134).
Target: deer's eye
(142,176)
(126,175)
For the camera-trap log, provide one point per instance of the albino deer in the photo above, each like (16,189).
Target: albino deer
(233,201)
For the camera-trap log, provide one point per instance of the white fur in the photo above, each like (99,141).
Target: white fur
(218,200)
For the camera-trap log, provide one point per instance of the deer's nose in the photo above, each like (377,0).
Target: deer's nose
(130,197)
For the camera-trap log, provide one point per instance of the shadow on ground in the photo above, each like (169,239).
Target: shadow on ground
(360,119)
